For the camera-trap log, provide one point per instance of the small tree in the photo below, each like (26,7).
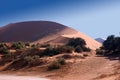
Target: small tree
(112,45)
(76,42)
(79,44)
(108,44)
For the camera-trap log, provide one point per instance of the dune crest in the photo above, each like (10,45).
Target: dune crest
(42,31)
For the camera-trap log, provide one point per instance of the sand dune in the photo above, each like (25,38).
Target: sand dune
(42,31)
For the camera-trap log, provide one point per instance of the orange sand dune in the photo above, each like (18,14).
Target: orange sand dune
(42,31)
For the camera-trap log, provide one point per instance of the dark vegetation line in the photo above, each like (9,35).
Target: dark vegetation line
(25,54)
(110,48)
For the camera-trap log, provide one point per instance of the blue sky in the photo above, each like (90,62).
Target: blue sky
(95,18)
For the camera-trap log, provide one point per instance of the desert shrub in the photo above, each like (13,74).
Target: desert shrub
(50,51)
(85,55)
(86,49)
(31,60)
(66,56)
(112,43)
(56,64)
(33,45)
(76,42)
(18,45)
(27,43)
(61,61)
(4,49)
(38,45)
(45,45)
(81,49)
(2,45)
(78,49)
(100,52)
(79,44)
(65,49)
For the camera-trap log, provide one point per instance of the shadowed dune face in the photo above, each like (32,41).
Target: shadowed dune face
(29,31)
(42,31)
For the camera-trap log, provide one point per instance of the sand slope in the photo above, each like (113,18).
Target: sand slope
(42,31)
(93,68)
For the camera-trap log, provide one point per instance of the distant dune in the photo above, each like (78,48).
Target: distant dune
(42,31)
(101,40)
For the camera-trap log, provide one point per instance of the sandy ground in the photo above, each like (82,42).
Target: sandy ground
(91,68)
(14,77)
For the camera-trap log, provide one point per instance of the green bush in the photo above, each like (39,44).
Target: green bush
(4,49)
(78,49)
(31,60)
(85,55)
(86,49)
(100,52)
(50,51)
(56,64)
(61,61)
(112,45)
(66,56)
(18,45)
(65,49)
(33,46)
(27,43)
(78,44)
(45,45)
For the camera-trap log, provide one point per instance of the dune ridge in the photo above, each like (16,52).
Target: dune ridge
(42,32)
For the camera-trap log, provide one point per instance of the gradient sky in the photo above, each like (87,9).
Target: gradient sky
(95,18)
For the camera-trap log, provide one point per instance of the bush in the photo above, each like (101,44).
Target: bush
(66,56)
(4,49)
(65,49)
(45,45)
(33,46)
(86,49)
(27,43)
(38,45)
(56,64)
(58,50)
(100,52)
(110,47)
(79,44)
(61,61)
(85,55)
(18,45)
(76,42)
(78,49)
(31,60)
(50,51)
